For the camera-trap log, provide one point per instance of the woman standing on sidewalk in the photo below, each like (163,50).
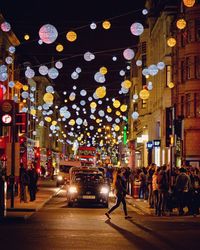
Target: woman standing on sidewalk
(120,187)
(24,182)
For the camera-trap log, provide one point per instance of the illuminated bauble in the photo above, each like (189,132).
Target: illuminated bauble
(114,58)
(137,29)
(139,63)
(59,47)
(145,72)
(49,89)
(135,115)
(25,87)
(126,84)
(83,92)
(100,78)
(48,98)
(122,73)
(109,110)
(88,56)
(101,113)
(48,33)
(128,54)
(72,96)
(43,70)
(100,92)
(181,24)
(118,113)
(135,96)
(150,86)
(98,120)
(103,70)
(9,60)
(144,12)
(99,130)
(12,49)
(79,121)
(54,123)
(5,26)
(170,85)
(3,76)
(29,73)
(11,84)
(59,65)
(82,102)
(3,68)
(71,36)
(144,94)
(72,122)
(93,105)
(33,112)
(26,37)
(116,104)
(161,65)
(153,70)
(106,25)
(117,128)
(53,73)
(47,119)
(171,42)
(189,3)
(123,107)
(93,26)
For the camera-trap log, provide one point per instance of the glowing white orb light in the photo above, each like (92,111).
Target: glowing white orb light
(128,54)
(9,60)
(161,65)
(43,70)
(59,65)
(53,73)
(137,29)
(5,26)
(93,26)
(139,63)
(11,84)
(29,73)
(48,33)
(135,115)
(153,70)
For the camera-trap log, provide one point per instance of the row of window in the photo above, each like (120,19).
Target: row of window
(192,33)
(190,105)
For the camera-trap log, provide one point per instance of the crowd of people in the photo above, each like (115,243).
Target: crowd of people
(28,178)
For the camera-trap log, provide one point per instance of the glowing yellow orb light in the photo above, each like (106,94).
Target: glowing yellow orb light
(98,120)
(181,24)
(25,87)
(54,123)
(47,119)
(116,104)
(189,3)
(101,92)
(33,112)
(171,42)
(71,36)
(48,98)
(117,128)
(123,107)
(103,70)
(126,84)
(24,101)
(93,105)
(99,130)
(72,122)
(109,110)
(170,85)
(26,37)
(106,25)
(79,138)
(59,47)
(144,94)
(88,133)
(118,113)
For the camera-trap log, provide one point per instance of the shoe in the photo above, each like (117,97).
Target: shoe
(127,217)
(106,214)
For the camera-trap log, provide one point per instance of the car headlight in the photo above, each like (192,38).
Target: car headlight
(59,178)
(104,190)
(72,190)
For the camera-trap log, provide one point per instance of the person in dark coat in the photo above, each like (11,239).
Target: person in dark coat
(33,182)
(120,187)
(24,181)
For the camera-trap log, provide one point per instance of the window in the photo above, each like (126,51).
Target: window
(188,68)
(197,67)
(187,110)
(182,106)
(197,105)
(182,72)
(189,31)
(197,22)
(168,74)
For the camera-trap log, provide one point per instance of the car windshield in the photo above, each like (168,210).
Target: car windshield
(64,168)
(88,178)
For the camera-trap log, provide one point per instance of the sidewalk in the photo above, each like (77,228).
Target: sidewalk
(46,190)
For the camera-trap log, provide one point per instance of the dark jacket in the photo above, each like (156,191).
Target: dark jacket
(120,186)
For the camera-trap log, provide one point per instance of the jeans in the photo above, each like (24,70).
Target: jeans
(162,201)
(120,198)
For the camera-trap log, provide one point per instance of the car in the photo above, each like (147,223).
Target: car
(88,186)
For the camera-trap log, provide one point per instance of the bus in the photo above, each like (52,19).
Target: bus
(87,156)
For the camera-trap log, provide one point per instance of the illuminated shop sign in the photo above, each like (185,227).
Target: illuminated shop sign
(156,143)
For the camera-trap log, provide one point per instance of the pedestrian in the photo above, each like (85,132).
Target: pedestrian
(24,181)
(150,173)
(155,189)
(33,175)
(143,184)
(120,187)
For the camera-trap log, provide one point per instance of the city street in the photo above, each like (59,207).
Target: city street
(56,226)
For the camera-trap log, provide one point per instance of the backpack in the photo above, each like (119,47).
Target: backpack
(162,180)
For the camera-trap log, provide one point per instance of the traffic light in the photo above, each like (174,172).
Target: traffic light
(7,111)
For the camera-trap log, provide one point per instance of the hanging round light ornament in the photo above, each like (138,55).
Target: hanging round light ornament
(117,128)
(93,26)
(161,65)
(54,123)
(72,97)
(135,115)
(170,85)
(189,3)
(103,70)
(33,112)
(171,42)
(83,92)
(71,36)
(123,107)
(72,122)
(109,110)
(11,84)
(48,98)
(93,105)
(126,84)
(43,70)
(137,29)
(59,65)
(181,23)
(5,26)
(135,96)
(59,47)
(128,54)
(29,73)
(47,119)
(153,70)
(25,87)
(106,25)
(12,49)
(116,104)
(53,73)
(139,63)
(100,92)
(118,113)
(49,89)
(48,33)
(26,37)
(144,94)
(9,60)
